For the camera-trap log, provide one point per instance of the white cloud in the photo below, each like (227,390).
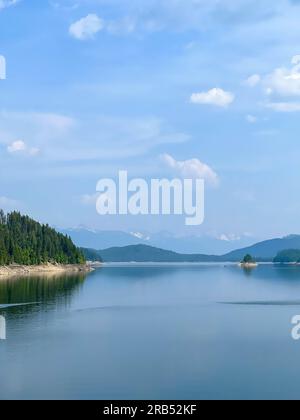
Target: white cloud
(115,137)
(16,146)
(295,60)
(284,81)
(19,146)
(8,3)
(282,86)
(43,131)
(284,106)
(253,81)
(217,97)
(192,168)
(2,67)
(87,27)
(59,138)
(251,119)
(178,15)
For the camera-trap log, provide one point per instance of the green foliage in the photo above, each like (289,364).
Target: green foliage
(288,256)
(248,259)
(91,254)
(26,242)
(144,253)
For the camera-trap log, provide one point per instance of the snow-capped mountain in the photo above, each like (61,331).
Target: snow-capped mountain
(205,244)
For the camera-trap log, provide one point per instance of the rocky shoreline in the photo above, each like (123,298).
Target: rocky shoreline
(23,270)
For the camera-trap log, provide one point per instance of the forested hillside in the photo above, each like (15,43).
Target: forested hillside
(288,256)
(144,253)
(24,241)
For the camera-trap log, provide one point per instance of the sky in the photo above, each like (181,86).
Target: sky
(152,87)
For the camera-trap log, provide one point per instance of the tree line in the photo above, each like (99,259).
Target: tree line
(27,242)
(288,256)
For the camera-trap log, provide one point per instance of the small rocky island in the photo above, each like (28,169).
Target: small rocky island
(248,262)
(28,247)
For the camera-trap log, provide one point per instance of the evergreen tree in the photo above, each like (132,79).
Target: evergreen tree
(248,259)
(24,241)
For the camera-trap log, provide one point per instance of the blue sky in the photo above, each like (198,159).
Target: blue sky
(96,86)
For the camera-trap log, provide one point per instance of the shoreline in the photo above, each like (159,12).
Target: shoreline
(176,264)
(23,270)
(248,265)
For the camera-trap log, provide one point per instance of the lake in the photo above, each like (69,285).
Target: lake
(152,332)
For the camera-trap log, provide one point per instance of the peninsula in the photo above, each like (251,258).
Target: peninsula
(28,247)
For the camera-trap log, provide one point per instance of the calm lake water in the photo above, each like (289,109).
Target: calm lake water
(156,332)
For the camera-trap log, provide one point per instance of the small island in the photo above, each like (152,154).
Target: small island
(248,262)
(28,247)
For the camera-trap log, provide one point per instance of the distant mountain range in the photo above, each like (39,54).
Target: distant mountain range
(142,253)
(267,250)
(205,244)
(262,251)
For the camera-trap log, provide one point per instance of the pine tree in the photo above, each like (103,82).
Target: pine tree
(24,241)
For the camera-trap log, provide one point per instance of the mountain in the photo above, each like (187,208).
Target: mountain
(143,253)
(86,238)
(262,251)
(266,250)
(204,244)
(26,242)
(91,255)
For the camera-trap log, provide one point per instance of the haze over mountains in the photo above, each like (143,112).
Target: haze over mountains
(124,247)
(205,244)
(267,250)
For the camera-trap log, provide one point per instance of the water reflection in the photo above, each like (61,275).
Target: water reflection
(137,272)
(161,333)
(268,272)
(248,271)
(49,290)
(152,271)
